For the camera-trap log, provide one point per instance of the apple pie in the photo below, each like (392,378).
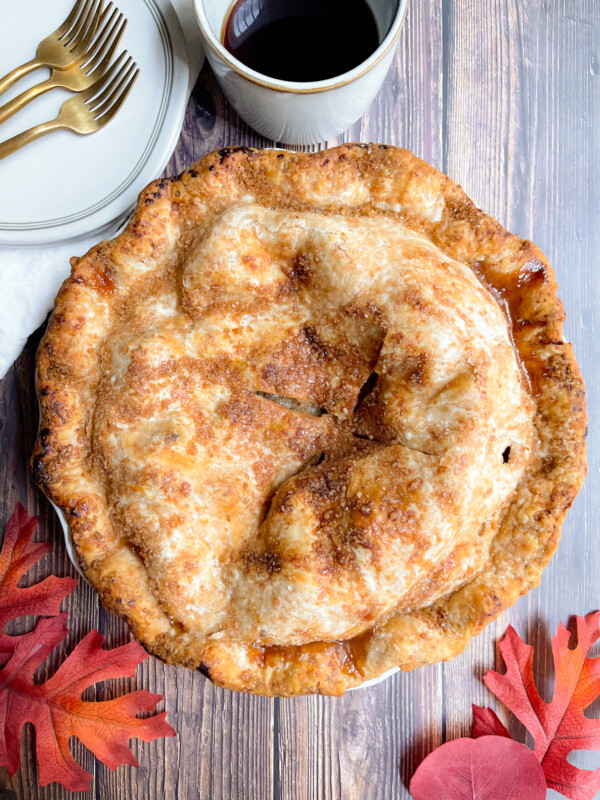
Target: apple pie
(311,416)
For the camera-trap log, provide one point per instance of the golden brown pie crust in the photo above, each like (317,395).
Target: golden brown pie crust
(110,451)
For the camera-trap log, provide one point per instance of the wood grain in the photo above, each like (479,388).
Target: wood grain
(504,95)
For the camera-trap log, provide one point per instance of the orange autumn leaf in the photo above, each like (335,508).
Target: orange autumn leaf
(57,712)
(18,554)
(560,726)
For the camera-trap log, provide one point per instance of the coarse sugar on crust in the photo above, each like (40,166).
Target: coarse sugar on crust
(311,416)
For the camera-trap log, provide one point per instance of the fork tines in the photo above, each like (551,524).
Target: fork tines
(98,56)
(109,92)
(81,24)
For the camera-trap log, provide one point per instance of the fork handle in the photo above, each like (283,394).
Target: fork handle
(16,74)
(21,139)
(17,103)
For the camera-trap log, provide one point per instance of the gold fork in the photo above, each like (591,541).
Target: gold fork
(85,71)
(63,47)
(88,111)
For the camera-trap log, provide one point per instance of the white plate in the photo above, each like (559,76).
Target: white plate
(64,185)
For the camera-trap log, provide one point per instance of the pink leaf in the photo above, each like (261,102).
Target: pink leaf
(489,768)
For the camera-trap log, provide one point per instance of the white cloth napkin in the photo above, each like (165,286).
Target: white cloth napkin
(31,277)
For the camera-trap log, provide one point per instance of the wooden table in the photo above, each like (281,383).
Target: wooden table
(504,96)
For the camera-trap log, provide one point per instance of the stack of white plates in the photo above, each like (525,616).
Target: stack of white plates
(64,186)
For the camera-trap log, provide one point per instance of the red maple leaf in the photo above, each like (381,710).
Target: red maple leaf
(18,554)
(560,726)
(56,709)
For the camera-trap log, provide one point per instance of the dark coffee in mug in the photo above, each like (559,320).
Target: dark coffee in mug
(301,40)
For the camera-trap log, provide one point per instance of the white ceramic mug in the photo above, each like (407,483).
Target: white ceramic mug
(294,112)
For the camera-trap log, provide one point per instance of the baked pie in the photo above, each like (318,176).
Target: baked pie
(311,416)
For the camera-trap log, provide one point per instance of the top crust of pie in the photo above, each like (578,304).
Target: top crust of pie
(310,417)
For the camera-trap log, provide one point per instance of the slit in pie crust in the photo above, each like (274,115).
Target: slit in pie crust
(310,417)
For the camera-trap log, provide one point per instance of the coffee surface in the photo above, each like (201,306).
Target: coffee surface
(301,40)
